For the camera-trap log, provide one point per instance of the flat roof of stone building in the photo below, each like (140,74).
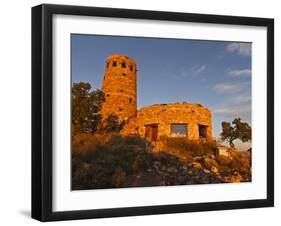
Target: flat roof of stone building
(175,105)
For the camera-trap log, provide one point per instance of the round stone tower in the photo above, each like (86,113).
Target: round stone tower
(119,87)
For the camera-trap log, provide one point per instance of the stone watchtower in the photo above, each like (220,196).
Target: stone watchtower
(119,87)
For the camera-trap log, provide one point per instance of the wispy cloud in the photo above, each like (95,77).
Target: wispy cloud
(240,72)
(242,99)
(227,87)
(236,111)
(242,49)
(200,69)
(191,71)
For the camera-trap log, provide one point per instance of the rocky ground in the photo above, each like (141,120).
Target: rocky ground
(170,171)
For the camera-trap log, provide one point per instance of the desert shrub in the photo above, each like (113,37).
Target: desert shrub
(110,162)
(209,147)
(225,169)
(184,147)
(79,172)
(245,167)
(119,178)
(110,124)
(240,163)
(224,160)
(235,164)
(196,149)
(209,163)
(86,142)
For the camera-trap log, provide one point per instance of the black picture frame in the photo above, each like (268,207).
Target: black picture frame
(42,111)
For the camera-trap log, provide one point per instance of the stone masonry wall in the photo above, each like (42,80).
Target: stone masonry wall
(119,87)
(166,114)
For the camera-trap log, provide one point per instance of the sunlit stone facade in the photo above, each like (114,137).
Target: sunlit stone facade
(189,120)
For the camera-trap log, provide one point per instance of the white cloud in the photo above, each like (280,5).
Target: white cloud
(241,72)
(243,49)
(242,99)
(227,88)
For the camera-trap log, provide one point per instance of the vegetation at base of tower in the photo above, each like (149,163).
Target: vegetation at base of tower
(238,130)
(111,124)
(85,107)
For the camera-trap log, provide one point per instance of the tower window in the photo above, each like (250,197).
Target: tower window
(114,64)
(131,68)
(124,74)
(123,65)
(121,90)
(120,109)
(130,99)
(107,95)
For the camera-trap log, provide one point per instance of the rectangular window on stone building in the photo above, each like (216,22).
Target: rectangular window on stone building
(114,64)
(178,130)
(123,65)
(131,68)
(202,131)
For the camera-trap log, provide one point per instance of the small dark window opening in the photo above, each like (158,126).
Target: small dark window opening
(114,64)
(202,131)
(121,90)
(131,68)
(130,99)
(124,74)
(123,65)
(120,109)
(107,95)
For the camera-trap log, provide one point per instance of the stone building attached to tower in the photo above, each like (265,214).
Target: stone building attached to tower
(189,120)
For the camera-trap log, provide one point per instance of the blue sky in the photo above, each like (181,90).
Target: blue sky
(213,73)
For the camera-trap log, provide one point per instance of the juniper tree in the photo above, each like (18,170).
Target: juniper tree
(85,107)
(235,130)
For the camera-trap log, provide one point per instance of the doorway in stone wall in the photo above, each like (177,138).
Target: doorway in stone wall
(151,132)
(202,131)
